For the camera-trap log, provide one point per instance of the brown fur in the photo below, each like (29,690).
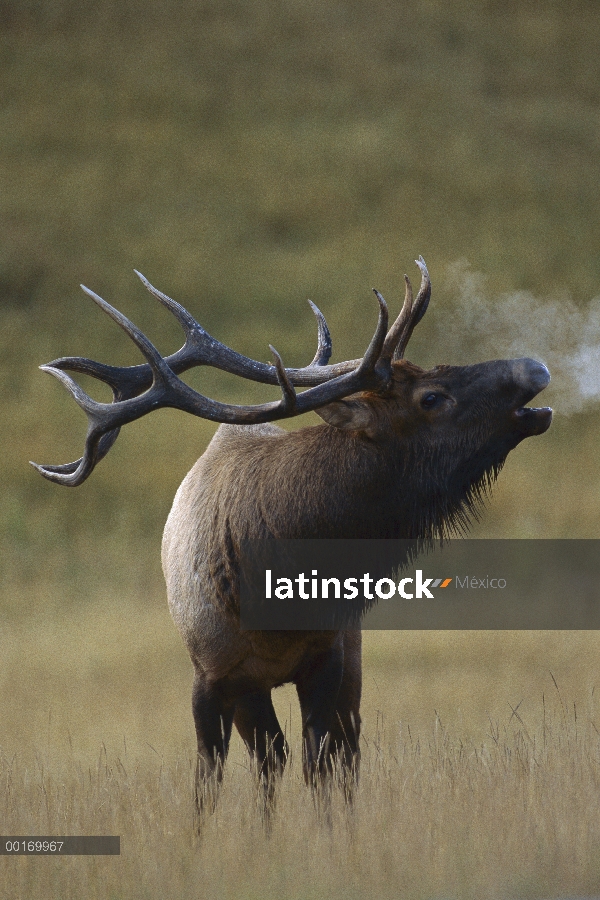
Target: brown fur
(385,466)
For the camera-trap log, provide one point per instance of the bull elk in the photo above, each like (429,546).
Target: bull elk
(402,453)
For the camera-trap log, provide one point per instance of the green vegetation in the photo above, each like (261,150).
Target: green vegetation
(245,156)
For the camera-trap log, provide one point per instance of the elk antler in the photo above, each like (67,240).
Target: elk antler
(137,390)
(410,315)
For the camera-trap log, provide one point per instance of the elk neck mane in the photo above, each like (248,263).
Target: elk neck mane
(394,487)
(320,482)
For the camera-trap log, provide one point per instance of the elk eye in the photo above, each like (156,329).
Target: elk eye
(429,400)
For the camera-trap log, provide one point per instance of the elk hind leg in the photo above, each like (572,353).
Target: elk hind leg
(257,723)
(213,718)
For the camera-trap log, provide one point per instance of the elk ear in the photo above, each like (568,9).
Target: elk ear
(349,415)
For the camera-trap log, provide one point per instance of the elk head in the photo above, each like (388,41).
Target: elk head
(438,415)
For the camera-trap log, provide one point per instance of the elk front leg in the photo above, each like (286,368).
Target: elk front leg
(318,684)
(345,732)
(213,718)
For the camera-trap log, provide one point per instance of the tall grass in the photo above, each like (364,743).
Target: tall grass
(510,812)
(480,773)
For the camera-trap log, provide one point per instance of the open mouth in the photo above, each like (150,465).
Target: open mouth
(533,420)
(532,377)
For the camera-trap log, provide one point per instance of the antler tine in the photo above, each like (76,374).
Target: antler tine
(98,441)
(185,319)
(289,399)
(424,295)
(418,310)
(75,473)
(103,446)
(147,348)
(125,381)
(324,345)
(82,399)
(395,333)
(373,354)
(124,384)
(71,474)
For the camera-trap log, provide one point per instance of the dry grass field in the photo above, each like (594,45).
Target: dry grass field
(246,156)
(480,775)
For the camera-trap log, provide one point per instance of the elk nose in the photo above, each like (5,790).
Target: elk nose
(530,374)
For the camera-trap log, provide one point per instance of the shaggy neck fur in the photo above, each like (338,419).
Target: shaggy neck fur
(341,485)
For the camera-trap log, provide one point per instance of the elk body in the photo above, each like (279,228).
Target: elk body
(402,453)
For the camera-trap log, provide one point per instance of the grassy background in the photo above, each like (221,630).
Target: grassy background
(245,156)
